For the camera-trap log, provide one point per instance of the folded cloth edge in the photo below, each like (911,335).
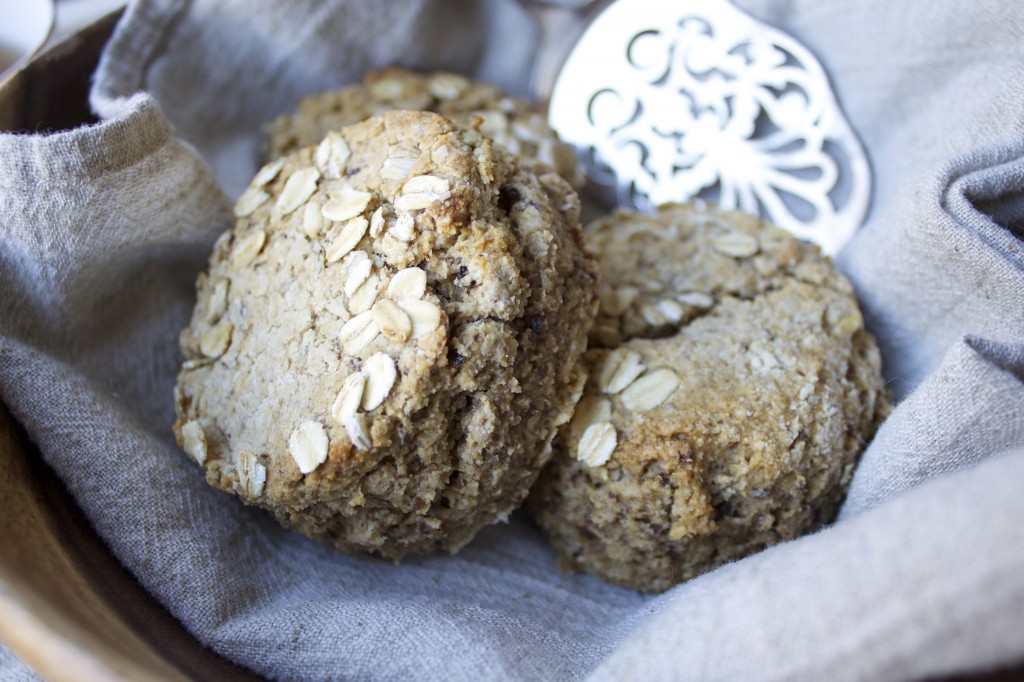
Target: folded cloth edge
(134,128)
(139,33)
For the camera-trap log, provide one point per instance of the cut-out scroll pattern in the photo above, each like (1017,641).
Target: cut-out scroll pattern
(703,107)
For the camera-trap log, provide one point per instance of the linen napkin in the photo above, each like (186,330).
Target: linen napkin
(103,229)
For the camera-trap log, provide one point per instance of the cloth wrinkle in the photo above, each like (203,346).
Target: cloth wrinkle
(989,183)
(136,42)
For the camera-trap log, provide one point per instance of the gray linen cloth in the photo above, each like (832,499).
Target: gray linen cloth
(103,229)
(12,669)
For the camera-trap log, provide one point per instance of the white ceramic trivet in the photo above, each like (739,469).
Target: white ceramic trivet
(669,100)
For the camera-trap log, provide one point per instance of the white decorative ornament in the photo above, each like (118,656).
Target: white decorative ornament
(670,101)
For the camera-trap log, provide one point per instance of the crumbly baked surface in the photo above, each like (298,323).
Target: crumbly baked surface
(384,345)
(732,389)
(514,123)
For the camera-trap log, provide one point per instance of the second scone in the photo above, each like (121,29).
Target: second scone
(517,125)
(732,389)
(386,342)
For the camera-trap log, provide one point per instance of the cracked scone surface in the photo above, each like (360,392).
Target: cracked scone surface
(381,351)
(732,389)
(517,125)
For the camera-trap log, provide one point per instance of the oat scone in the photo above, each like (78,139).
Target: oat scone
(514,123)
(726,411)
(386,342)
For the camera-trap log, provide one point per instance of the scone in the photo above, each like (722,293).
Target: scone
(514,123)
(387,341)
(726,411)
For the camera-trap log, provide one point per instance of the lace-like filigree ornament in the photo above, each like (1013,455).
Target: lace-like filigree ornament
(670,101)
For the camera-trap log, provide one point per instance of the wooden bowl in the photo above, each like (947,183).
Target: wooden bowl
(67,607)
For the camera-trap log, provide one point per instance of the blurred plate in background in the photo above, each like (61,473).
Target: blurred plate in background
(24,27)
